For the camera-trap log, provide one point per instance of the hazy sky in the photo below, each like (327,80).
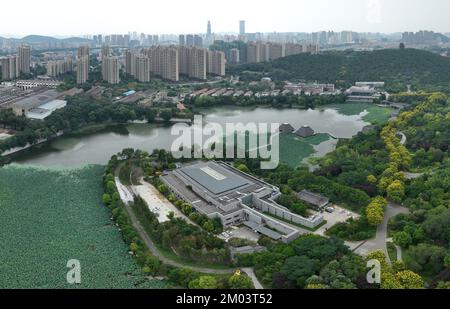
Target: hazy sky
(62,17)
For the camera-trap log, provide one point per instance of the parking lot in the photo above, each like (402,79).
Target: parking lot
(337,216)
(242,232)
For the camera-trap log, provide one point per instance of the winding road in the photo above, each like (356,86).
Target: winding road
(380,241)
(124,192)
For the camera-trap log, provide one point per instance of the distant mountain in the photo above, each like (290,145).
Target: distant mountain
(34,39)
(444,38)
(39,39)
(76,40)
(397,67)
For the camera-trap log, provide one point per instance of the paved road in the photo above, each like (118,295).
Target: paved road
(411,176)
(154,250)
(404,139)
(379,242)
(251,274)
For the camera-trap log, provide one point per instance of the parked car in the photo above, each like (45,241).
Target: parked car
(329,210)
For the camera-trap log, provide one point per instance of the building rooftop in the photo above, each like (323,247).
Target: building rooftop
(305,131)
(286,128)
(313,198)
(214,177)
(37,100)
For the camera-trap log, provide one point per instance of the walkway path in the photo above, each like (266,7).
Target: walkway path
(379,242)
(251,274)
(404,139)
(155,251)
(411,176)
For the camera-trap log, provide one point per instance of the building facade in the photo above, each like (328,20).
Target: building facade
(24,60)
(10,69)
(111,70)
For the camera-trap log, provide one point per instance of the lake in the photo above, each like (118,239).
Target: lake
(98,147)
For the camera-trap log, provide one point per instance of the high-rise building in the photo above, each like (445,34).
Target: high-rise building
(130,62)
(138,65)
(24,59)
(234,56)
(83,55)
(111,70)
(82,69)
(143,68)
(170,64)
(253,53)
(83,51)
(183,60)
(59,67)
(10,69)
(216,63)
(189,40)
(242,27)
(106,50)
(198,63)
(181,40)
(293,49)
(208,29)
(198,41)
(164,61)
(276,51)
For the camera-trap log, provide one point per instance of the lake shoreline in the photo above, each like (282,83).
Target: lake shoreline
(101,140)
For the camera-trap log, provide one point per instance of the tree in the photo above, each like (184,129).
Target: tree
(389,281)
(106,199)
(238,281)
(436,226)
(447,260)
(426,258)
(371,179)
(203,282)
(410,280)
(243,168)
(375,211)
(317,286)
(208,226)
(111,187)
(401,46)
(396,191)
(299,268)
(134,247)
(166,115)
(403,239)
(152,264)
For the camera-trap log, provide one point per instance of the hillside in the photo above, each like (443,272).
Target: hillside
(397,67)
(32,39)
(41,39)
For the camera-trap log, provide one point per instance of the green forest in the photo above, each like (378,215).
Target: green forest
(397,67)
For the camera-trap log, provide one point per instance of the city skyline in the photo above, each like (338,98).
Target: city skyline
(288,16)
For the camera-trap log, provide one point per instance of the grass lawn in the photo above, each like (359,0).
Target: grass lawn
(294,149)
(48,217)
(376,114)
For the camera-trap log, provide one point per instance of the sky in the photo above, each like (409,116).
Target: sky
(79,17)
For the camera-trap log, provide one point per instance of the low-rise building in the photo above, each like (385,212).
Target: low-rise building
(364,93)
(218,190)
(39,106)
(317,200)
